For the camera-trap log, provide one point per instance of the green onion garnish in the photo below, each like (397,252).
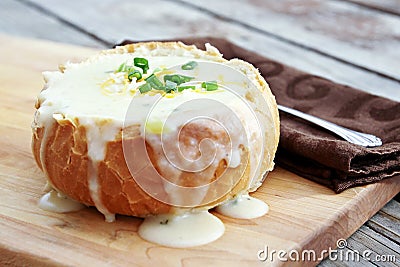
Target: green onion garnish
(154,82)
(141,63)
(157,70)
(122,67)
(189,66)
(210,86)
(183,87)
(177,78)
(170,86)
(134,74)
(144,88)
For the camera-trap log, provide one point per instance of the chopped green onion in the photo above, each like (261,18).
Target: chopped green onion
(134,74)
(141,63)
(122,67)
(210,86)
(170,86)
(189,66)
(157,70)
(154,82)
(144,88)
(177,78)
(183,87)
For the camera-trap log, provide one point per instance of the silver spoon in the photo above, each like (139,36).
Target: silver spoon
(354,137)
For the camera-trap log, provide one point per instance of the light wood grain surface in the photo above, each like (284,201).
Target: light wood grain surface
(351,42)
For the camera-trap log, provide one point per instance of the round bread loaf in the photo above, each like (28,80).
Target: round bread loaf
(96,143)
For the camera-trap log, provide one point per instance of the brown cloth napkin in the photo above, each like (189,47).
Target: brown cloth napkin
(311,151)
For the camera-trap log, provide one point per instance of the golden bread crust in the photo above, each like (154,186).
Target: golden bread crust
(65,154)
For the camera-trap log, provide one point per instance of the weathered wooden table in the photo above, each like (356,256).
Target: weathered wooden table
(352,42)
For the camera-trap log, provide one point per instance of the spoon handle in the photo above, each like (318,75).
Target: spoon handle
(362,139)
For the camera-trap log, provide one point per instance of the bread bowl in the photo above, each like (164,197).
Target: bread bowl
(82,131)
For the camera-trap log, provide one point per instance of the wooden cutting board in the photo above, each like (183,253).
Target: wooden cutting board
(303,215)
